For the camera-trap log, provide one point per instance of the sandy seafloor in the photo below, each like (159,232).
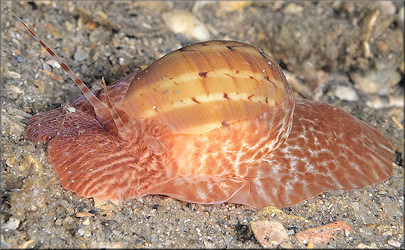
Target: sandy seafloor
(326,47)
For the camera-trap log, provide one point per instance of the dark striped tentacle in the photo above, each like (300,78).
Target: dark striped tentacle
(95,102)
(123,130)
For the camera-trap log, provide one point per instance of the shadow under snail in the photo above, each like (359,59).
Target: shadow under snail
(209,123)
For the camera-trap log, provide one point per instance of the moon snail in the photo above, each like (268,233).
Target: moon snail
(209,123)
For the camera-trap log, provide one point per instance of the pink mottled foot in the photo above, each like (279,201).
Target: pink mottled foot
(327,150)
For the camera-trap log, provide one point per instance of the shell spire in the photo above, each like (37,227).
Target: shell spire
(95,102)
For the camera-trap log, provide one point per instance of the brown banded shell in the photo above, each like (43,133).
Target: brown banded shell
(204,86)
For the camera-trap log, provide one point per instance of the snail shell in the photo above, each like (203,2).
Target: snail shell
(200,87)
(209,123)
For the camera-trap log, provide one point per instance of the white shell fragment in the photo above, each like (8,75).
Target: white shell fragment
(185,23)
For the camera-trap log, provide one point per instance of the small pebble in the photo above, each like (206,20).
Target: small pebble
(349,6)
(17,113)
(86,222)
(53,63)
(185,23)
(362,245)
(229,6)
(386,7)
(382,46)
(71,109)
(387,233)
(269,233)
(80,231)
(116,232)
(80,55)
(46,67)
(68,223)
(377,102)
(82,214)
(155,6)
(293,9)
(323,234)
(394,243)
(58,222)
(291,232)
(13,74)
(377,81)
(58,242)
(20,59)
(12,224)
(346,93)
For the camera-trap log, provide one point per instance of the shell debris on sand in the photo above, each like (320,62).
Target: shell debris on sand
(269,233)
(187,24)
(323,234)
